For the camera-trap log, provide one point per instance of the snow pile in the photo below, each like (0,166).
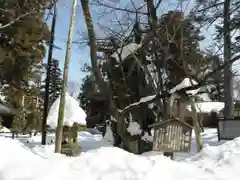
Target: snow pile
(223,161)
(106,163)
(184,84)
(218,154)
(134,128)
(72,113)
(17,161)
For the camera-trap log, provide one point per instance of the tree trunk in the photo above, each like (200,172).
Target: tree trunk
(59,131)
(228,82)
(196,125)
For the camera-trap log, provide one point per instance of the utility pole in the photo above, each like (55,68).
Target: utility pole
(49,60)
(59,130)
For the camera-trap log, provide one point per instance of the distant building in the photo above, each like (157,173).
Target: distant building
(7,115)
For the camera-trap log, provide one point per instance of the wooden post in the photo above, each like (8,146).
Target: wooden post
(196,125)
(59,130)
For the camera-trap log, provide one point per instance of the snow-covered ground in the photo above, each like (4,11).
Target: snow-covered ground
(26,159)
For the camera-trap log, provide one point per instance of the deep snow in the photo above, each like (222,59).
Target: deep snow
(31,161)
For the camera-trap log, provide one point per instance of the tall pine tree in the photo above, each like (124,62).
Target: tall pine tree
(55,81)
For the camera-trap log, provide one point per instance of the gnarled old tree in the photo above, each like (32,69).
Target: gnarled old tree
(167,53)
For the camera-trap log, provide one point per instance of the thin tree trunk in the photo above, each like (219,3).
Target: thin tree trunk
(228,82)
(46,95)
(196,125)
(59,131)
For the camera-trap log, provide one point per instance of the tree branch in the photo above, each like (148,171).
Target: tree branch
(16,19)
(158,3)
(23,15)
(154,98)
(119,9)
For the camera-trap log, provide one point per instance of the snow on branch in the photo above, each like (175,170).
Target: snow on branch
(187,86)
(187,82)
(143,100)
(125,51)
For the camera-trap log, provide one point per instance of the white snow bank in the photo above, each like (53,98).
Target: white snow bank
(72,113)
(223,160)
(107,163)
(17,161)
(184,84)
(207,107)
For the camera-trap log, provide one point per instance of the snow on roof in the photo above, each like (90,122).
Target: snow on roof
(184,84)
(72,113)
(207,107)
(125,51)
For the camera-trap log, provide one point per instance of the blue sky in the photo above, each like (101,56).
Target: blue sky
(80,54)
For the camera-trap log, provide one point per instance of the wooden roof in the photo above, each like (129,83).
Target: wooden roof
(161,123)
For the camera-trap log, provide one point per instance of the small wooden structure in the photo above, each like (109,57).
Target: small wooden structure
(172,136)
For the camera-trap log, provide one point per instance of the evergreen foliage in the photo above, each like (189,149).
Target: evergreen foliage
(21,52)
(55,81)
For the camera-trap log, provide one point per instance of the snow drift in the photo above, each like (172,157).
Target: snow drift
(107,163)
